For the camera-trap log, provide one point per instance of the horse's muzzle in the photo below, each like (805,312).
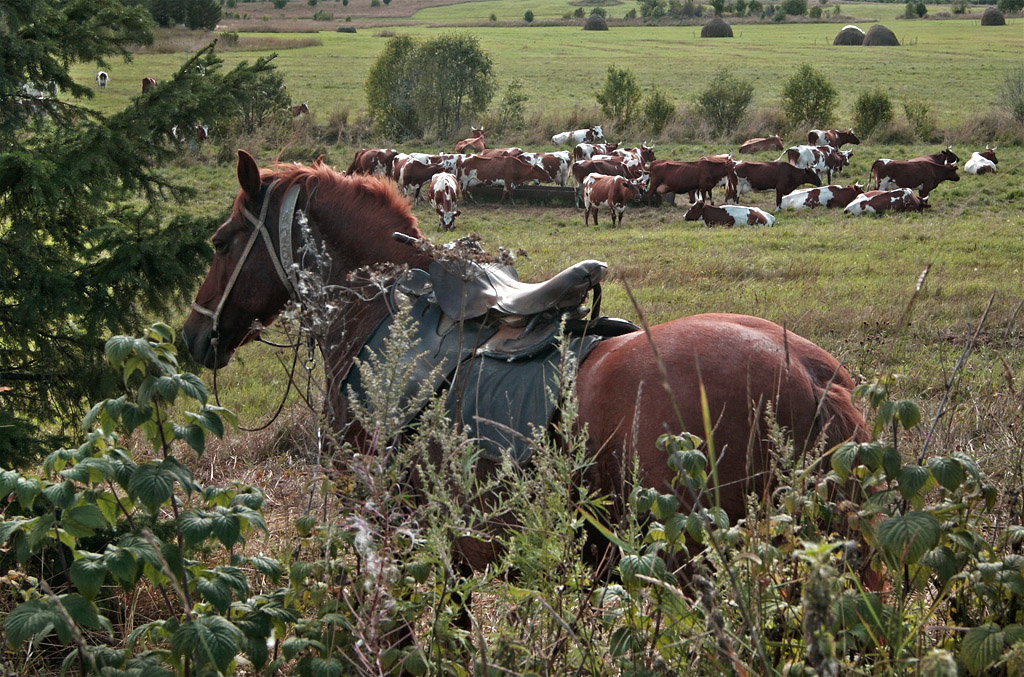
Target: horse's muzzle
(203,347)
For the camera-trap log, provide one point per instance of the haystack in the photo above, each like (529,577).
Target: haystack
(716,28)
(850,35)
(595,22)
(993,17)
(880,36)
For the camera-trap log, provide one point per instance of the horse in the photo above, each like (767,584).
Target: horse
(630,389)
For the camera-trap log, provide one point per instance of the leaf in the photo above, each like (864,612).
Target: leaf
(304,525)
(93,470)
(193,435)
(891,462)
(843,459)
(981,647)
(83,520)
(61,495)
(122,564)
(152,484)
(208,638)
(625,641)
(82,612)
(216,592)
(908,413)
(912,479)
(88,574)
(193,387)
(948,472)
(942,561)
(226,528)
(905,538)
(118,349)
(665,506)
(27,489)
(196,526)
(25,620)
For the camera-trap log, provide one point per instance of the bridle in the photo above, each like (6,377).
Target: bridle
(282,257)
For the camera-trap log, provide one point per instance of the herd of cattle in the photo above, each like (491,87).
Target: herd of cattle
(607,176)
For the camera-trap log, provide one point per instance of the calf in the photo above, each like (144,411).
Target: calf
(761,144)
(301,109)
(102,79)
(702,176)
(826,196)
(588,135)
(781,177)
(982,163)
(879,201)
(728,215)
(831,137)
(474,142)
(509,172)
(373,161)
(148,83)
(443,194)
(585,151)
(613,191)
(922,176)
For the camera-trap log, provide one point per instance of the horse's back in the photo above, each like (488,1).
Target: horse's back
(743,363)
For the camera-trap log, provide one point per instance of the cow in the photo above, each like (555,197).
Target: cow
(443,194)
(642,154)
(917,175)
(728,215)
(781,177)
(585,151)
(556,164)
(826,196)
(982,163)
(148,83)
(824,160)
(508,172)
(379,161)
(202,133)
(411,172)
(502,152)
(879,201)
(946,156)
(613,191)
(669,176)
(474,142)
(761,144)
(301,109)
(608,165)
(831,137)
(588,135)
(102,79)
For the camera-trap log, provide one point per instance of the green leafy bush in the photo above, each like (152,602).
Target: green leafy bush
(871,110)
(1010,6)
(658,111)
(620,97)
(1011,95)
(528,16)
(919,117)
(724,103)
(809,98)
(793,7)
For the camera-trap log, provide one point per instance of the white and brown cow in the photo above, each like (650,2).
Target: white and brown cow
(588,135)
(585,151)
(880,201)
(920,175)
(474,142)
(148,83)
(760,144)
(781,177)
(443,194)
(946,156)
(982,163)
(412,171)
(508,172)
(556,164)
(823,160)
(826,196)
(831,137)
(611,191)
(102,79)
(728,215)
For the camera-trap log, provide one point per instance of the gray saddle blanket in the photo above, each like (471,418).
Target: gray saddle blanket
(500,393)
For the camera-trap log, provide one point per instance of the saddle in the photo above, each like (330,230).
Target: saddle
(491,341)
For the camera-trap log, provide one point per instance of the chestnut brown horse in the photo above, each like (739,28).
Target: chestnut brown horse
(631,388)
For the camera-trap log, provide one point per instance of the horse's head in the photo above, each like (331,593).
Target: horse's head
(241,292)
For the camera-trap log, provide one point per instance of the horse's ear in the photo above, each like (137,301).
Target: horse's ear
(248,175)
(319,160)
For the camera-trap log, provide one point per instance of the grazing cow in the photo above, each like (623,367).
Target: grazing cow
(508,172)
(921,176)
(824,160)
(102,79)
(202,133)
(668,176)
(879,201)
(411,172)
(613,191)
(585,151)
(588,135)
(982,163)
(728,215)
(301,109)
(607,165)
(475,142)
(148,83)
(761,144)
(379,161)
(556,164)
(781,177)
(826,196)
(831,137)
(443,194)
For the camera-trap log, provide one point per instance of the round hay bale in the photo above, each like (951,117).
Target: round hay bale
(880,36)
(595,22)
(716,28)
(346,29)
(850,35)
(993,17)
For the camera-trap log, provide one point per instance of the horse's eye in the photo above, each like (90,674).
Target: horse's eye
(220,246)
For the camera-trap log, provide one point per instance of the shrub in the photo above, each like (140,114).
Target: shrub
(312,3)
(919,118)
(724,103)
(652,9)
(323,15)
(779,16)
(1007,6)
(718,6)
(808,97)
(579,13)
(658,111)
(280,4)
(599,11)
(494,17)
(620,97)
(631,14)
(528,16)
(793,7)
(374,3)
(960,7)
(740,7)
(754,7)
(814,12)
(1011,96)
(872,109)
(512,108)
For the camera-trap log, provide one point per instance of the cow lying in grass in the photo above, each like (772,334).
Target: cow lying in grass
(728,215)
(826,196)
(880,201)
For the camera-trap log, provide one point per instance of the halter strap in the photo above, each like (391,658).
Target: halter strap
(283,258)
